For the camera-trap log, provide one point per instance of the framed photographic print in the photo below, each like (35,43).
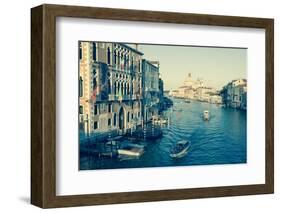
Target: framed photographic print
(137,106)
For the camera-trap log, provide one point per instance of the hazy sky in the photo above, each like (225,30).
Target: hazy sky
(216,66)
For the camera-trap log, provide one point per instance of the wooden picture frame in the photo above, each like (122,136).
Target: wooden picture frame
(43,105)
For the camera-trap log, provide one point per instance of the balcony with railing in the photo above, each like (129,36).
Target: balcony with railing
(119,97)
(113,97)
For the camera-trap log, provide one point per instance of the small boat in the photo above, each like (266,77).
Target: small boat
(187,101)
(160,121)
(180,149)
(206,115)
(111,143)
(132,150)
(177,110)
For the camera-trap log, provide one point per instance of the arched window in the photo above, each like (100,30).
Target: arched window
(128,117)
(132,63)
(139,68)
(94,83)
(118,88)
(109,86)
(118,58)
(94,78)
(125,61)
(114,119)
(115,89)
(108,55)
(125,89)
(122,87)
(80,87)
(80,52)
(94,51)
(128,88)
(121,61)
(114,58)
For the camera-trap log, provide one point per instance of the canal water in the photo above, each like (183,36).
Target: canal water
(221,140)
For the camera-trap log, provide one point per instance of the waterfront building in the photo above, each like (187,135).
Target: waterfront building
(110,87)
(234,94)
(215,99)
(174,93)
(161,94)
(151,101)
(205,93)
(186,92)
(181,92)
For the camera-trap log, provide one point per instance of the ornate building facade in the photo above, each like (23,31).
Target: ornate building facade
(110,87)
(150,81)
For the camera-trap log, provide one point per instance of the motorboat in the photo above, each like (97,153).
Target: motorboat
(180,149)
(133,150)
(206,115)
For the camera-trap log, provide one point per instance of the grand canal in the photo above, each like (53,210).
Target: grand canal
(221,140)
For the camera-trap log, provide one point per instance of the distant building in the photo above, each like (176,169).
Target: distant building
(195,90)
(110,87)
(191,83)
(174,93)
(234,94)
(185,92)
(206,93)
(215,99)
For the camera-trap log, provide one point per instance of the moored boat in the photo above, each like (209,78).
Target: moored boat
(160,121)
(206,115)
(132,150)
(180,149)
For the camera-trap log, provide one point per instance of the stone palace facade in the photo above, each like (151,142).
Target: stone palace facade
(113,81)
